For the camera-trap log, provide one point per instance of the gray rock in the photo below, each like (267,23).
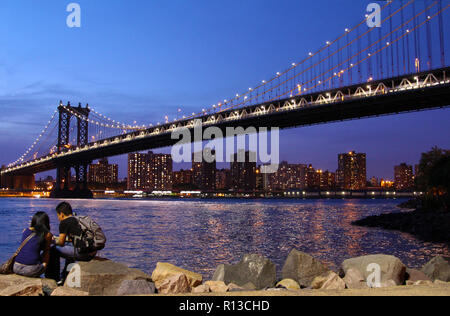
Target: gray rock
(48,286)
(354,280)
(104,277)
(255,269)
(391,268)
(414,276)
(136,287)
(235,288)
(302,268)
(438,269)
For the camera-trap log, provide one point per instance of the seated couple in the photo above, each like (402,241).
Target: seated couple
(42,252)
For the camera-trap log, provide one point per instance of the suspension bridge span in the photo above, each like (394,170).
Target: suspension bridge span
(365,72)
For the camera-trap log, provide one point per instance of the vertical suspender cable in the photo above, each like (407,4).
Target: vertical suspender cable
(429,39)
(441,34)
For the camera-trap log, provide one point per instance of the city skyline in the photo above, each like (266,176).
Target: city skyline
(141,69)
(152,171)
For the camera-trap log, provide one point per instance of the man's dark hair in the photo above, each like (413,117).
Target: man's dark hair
(64,208)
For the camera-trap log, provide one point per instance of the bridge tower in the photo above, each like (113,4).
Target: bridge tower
(63,176)
(63,171)
(82,140)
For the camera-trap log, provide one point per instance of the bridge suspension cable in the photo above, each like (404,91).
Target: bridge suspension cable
(332,68)
(247,96)
(389,44)
(33,145)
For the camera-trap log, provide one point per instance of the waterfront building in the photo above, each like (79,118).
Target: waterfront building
(149,172)
(327,180)
(374,183)
(137,172)
(159,168)
(351,173)
(204,172)
(387,184)
(288,176)
(182,178)
(103,173)
(243,172)
(223,180)
(404,177)
(312,178)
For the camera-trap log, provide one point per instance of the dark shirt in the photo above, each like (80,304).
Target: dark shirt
(30,254)
(70,227)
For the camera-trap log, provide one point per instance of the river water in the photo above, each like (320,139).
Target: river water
(199,235)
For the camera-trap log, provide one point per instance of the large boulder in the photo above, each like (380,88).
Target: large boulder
(176,284)
(102,277)
(136,287)
(438,269)
(236,288)
(391,268)
(165,271)
(328,281)
(252,269)
(354,280)
(15,285)
(67,291)
(414,276)
(302,268)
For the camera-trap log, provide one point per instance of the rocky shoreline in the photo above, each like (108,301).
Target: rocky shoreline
(425,225)
(253,275)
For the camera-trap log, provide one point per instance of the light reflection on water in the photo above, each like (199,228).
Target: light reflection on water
(199,235)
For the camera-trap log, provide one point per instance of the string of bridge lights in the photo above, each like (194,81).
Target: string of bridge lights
(388,44)
(293,66)
(114,124)
(22,158)
(122,126)
(335,74)
(310,56)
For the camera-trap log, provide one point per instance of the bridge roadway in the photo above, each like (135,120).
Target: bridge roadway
(417,92)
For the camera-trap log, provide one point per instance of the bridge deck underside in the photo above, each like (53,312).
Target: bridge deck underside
(386,104)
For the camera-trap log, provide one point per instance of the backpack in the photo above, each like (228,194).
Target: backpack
(92,238)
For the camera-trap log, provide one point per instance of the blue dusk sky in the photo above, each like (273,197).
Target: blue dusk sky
(139,60)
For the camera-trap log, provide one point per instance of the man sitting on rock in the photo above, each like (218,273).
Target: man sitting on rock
(81,246)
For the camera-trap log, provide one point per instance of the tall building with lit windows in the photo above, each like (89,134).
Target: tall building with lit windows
(160,175)
(103,172)
(404,177)
(243,172)
(150,172)
(182,178)
(137,172)
(351,173)
(223,179)
(287,177)
(204,171)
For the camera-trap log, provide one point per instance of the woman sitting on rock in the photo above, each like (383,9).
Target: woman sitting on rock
(34,257)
